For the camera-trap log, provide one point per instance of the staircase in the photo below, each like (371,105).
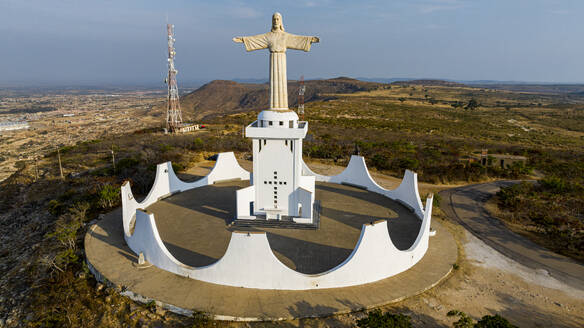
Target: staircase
(285,223)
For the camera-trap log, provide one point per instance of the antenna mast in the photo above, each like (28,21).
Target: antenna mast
(301,90)
(173,113)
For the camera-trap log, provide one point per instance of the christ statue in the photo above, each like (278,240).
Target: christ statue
(277,41)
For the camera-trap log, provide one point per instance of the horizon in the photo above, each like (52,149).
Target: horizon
(83,43)
(150,85)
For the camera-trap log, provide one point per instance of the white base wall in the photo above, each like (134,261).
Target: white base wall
(244,197)
(166,183)
(249,261)
(357,174)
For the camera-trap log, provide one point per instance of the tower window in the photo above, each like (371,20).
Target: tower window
(270,123)
(282,123)
(290,124)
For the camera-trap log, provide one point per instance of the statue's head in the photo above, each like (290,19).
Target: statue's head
(277,22)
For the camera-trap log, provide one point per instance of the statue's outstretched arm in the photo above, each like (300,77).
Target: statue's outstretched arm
(300,42)
(255,42)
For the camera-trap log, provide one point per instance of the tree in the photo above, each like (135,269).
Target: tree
(375,319)
(109,196)
(494,321)
(464,320)
(472,104)
(457,104)
(488,321)
(401,99)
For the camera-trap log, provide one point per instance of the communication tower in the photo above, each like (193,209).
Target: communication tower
(301,90)
(173,113)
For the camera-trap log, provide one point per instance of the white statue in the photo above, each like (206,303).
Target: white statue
(277,41)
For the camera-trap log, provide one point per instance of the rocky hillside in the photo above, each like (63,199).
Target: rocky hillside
(224,97)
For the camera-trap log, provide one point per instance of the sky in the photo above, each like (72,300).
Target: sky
(124,41)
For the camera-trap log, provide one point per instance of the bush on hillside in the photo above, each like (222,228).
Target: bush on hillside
(376,319)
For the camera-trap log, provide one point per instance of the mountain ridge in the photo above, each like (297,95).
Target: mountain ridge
(220,97)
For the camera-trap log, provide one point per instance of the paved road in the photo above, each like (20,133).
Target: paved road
(466,206)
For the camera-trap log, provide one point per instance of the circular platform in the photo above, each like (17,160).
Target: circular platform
(194,228)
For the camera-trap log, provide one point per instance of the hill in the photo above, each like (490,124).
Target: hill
(222,97)
(428,82)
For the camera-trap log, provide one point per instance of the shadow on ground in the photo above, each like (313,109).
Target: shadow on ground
(194,226)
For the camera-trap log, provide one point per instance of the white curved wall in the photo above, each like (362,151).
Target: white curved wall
(357,174)
(166,183)
(249,261)
(226,168)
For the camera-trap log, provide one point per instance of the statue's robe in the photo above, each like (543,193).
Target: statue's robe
(278,42)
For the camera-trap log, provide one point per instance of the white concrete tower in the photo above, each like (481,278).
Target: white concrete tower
(278,190)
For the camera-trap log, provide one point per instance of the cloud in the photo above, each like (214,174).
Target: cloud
(560,12)
(431,6)
(434,27)
(245,12)
(316,3)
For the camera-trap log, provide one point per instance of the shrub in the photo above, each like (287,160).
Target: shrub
(201,320)
(488,321)
(177,167)
(165,148)
(198,144)
(408,163)
(494,321)
(472,104)
(127,163)
(464,321)
(510,197)
(457,104)
(380,161)
(66,234)
(109,196)
(436,200)
(375,319)
(554,185)
(55,207)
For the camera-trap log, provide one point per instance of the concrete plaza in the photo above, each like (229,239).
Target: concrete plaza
(194,228)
